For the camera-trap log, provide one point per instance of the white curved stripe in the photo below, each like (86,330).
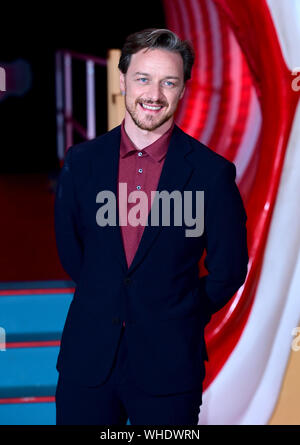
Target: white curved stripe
(250,136)
(286,17)
(246,389)
(217,77)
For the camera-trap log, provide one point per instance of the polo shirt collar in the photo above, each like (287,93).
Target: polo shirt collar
(157,150)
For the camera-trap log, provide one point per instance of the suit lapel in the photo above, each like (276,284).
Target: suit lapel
(105,168)
(175,173)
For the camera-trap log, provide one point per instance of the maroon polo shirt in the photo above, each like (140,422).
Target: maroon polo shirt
(139,170)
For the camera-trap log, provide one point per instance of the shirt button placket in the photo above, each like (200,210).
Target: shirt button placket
(140,170)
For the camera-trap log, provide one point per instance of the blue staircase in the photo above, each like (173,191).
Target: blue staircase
(33,316)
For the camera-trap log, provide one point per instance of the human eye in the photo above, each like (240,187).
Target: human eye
(142,79)
(169,83)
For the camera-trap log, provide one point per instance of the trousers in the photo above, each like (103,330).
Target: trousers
(118,400)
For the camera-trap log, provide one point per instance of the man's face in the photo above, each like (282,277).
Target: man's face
(154,78)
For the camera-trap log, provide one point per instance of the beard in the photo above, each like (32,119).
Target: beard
(149,122)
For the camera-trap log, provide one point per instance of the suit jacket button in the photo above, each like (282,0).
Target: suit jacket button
(127,280)
(116,320)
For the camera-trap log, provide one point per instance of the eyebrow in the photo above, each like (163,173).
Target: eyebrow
(146,74)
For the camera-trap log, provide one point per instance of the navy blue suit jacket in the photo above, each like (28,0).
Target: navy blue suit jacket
(160,296)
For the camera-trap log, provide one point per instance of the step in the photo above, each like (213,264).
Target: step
(28,414)
(34,317)
(21,285)
(28,372)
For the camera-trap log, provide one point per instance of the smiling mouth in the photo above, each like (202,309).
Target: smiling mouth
(152,108)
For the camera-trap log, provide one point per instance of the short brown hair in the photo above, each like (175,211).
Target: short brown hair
(157,38)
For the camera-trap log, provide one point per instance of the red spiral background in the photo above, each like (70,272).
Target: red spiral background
(240,103)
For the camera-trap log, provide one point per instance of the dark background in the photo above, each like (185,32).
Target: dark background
(28,122)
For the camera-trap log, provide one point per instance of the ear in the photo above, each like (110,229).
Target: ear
(122,82)
(182,93)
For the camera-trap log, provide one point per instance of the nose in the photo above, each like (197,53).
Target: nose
(155,93)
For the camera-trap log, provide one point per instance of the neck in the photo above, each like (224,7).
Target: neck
(143,138)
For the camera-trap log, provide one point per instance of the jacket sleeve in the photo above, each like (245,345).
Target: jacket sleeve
(68,241)
(225,238)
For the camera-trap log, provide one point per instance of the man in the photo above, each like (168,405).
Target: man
(133,343)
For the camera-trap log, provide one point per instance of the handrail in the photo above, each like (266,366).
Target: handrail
(85,57)
(66,123)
